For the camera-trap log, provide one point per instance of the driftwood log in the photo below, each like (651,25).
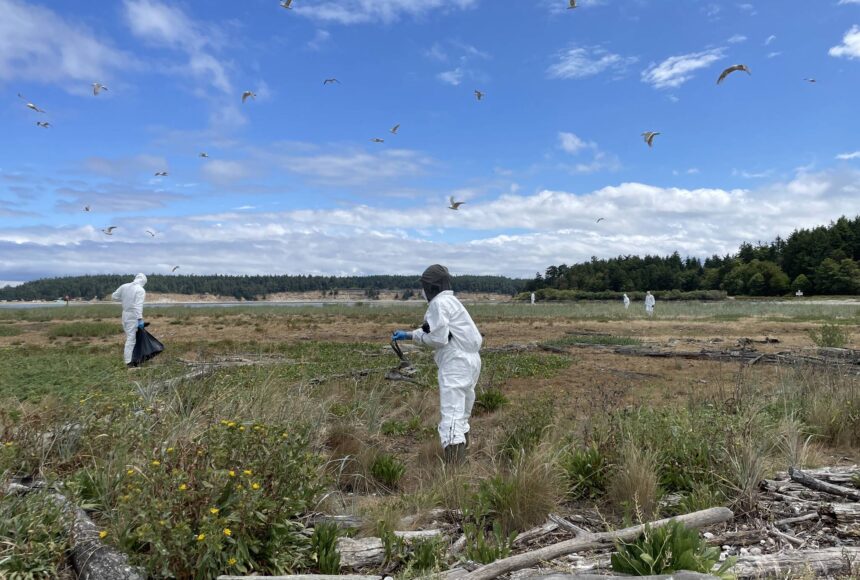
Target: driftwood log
(305,577)
(357,554)
(827,562)
(818,485)
(697,520)
(92,559)
(675,576)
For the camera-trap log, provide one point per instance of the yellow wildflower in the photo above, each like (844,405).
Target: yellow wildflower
(201,537)
(214,511)
(284,435)
(231,561)
(228,532)
(102,535)
(182,487)
(8,444)
(130,472)
(255,486)
(248,472)
(231,473)
(240,487)
(162,523)
(241,427)
(156,462)
(224,422)
(170,449)
(231,423)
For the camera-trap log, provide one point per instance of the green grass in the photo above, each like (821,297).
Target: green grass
(604,339)
(85,330)
(7,330)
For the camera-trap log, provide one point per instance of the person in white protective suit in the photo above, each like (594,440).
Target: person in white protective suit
(626,301)
(533,298)
(132,296)
(449,330)
(650,301)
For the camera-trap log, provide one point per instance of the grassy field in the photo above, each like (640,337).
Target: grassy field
(205,476)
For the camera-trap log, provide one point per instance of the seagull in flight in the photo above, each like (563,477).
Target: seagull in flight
(161,174)
(204,155)
(287,4)
(479,95)
(732,69)
(649,137)
(29,104)
(247,94)
(331,81)
(600,220)
(109,230)
(86,208)
(97,88)
(378,140)
(455,205)
(810,80)
(175,268)
(43,124)
(572,5)
(394,129)
(150,233)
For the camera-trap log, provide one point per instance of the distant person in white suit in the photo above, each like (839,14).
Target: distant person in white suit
(650,301)
(533,298)
(132,296)
(626,301)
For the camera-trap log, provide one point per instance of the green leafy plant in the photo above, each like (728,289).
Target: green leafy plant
(525,426)
(33,537)
(387,470)
(485,547)
(491,399)
(394,427)
(586,471)
(829,336)
(85,330)
(669,548)
(324,544)
(426,554)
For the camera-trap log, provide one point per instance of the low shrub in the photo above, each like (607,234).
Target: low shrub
(33,537)
(586,471)
(830,336)
(394,427)
(324,545)
(525,426)
(669,548)
(634,487)
(490,400)
(485,546)
(387,470)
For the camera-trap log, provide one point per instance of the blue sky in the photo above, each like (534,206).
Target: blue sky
(293,183)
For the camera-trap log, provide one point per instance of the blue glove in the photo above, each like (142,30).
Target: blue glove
(140,323)
(401,335)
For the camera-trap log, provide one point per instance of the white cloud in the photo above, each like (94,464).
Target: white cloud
(553,226)
(356,167)
(38,45)
(570,143)
(677,70)
(849,156)
(748,8)
(849,2)
(752,174)
(225,171)
(774,54)
(769,39)
(451,77)
(581,62)
(737,39)
(850,47)
(320,39)
(365,11)
(125,167)
(169,26)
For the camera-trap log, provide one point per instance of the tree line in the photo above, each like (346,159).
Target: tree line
(248,287)
(821,260)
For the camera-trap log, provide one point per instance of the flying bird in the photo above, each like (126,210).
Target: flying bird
(600,220)
(331,81)
(43,124)
(732,69)
(29,104)
(572,4)
(287,4)
(97,88)
(161,174)
(204,155)
(455,204)
(649,137)
(150,233)
(378,140)
(810,80)
(394,129)
(247,94)
(109,230)
(86,208)
(175,268)
(479,95)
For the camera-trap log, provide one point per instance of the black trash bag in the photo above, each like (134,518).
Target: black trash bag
(146,347)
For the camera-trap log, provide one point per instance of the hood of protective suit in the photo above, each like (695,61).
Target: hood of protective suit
(435,280)
(140,280)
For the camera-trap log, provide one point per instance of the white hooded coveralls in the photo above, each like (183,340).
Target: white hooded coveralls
(650,301)
(132,296)
(626,302)
(458,361)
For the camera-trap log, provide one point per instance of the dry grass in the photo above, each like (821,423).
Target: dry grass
(634,484)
